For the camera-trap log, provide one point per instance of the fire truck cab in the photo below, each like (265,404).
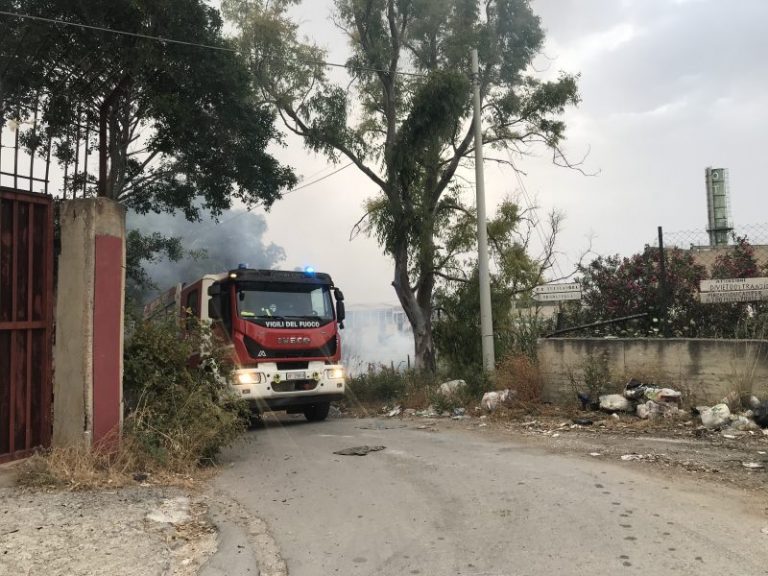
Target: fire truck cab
(283,327)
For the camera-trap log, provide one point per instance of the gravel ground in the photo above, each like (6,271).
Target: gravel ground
(130,531)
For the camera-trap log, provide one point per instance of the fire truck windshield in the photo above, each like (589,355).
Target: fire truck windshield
(284,300)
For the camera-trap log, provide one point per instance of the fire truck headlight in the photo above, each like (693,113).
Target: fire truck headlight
(248,378)
(334,373)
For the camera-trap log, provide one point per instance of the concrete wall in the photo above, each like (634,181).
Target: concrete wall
(88,354)
(704,370)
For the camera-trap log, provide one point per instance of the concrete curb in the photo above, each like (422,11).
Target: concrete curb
(234,554)
(246,545)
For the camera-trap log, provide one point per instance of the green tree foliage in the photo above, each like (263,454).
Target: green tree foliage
(739,320)
(182,122)
(615,287)
(179,414)
(404,117)
(739,262)
(457,298)
(141,248)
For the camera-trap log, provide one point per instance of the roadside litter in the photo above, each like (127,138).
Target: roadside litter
(648,457)
(760,414)
(396,411)
(430,412)
(722,417)
(735,413)
(583,421)
(715,417)
(359,450)
(452,387)
(615,403)
(492,400)
(629,457)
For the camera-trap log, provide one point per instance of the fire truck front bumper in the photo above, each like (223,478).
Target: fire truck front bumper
(267,388)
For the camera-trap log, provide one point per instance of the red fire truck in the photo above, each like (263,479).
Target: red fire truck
(284,331)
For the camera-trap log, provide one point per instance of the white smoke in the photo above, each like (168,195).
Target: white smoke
(375,337)
(237,237)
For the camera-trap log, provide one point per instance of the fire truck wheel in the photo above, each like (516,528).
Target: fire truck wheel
(317,412)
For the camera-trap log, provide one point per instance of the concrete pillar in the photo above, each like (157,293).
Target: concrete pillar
(88,353)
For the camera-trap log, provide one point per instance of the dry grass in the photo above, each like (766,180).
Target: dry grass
(79,468)
(517,372)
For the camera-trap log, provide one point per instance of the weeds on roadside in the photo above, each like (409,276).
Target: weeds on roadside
(180,413)
(412,389)
(595,379)
(519,373)
(408,388)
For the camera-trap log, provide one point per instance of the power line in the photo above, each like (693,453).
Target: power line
(163,39)
(208,229)
(537,220)
(114,31)
(292,190)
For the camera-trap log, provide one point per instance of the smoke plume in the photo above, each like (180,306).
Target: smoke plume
(210,247)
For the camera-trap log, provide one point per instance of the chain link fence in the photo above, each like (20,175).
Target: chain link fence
(698,242)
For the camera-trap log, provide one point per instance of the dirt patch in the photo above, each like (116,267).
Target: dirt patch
(129,531)
(679,448)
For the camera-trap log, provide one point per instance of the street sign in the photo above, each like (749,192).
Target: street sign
(549,288)
(733,296)
(734,284)
(557,296)
(557,292)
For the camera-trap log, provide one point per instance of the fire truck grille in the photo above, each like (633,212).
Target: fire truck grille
(294,385)
(256,351)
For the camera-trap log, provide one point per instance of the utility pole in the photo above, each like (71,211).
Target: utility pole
(486,319)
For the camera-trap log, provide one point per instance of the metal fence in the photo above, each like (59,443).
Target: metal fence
(697,241)
(26,321)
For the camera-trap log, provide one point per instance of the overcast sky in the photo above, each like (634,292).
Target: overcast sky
(669,87)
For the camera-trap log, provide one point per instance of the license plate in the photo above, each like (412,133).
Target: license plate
(295,375)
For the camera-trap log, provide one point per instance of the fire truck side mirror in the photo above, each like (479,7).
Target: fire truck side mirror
(338,294)
(341,313)
(213,309)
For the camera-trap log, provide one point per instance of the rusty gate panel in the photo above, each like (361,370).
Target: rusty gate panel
(26,321)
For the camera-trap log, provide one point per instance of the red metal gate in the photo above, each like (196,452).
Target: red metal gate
(26,321)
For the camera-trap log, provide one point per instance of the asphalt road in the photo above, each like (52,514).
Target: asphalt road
(466,503)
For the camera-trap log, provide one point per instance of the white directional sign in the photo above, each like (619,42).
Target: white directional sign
(734,284)
(548,288)
(557,296)
(557,292)
(734,296)
(733,290)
